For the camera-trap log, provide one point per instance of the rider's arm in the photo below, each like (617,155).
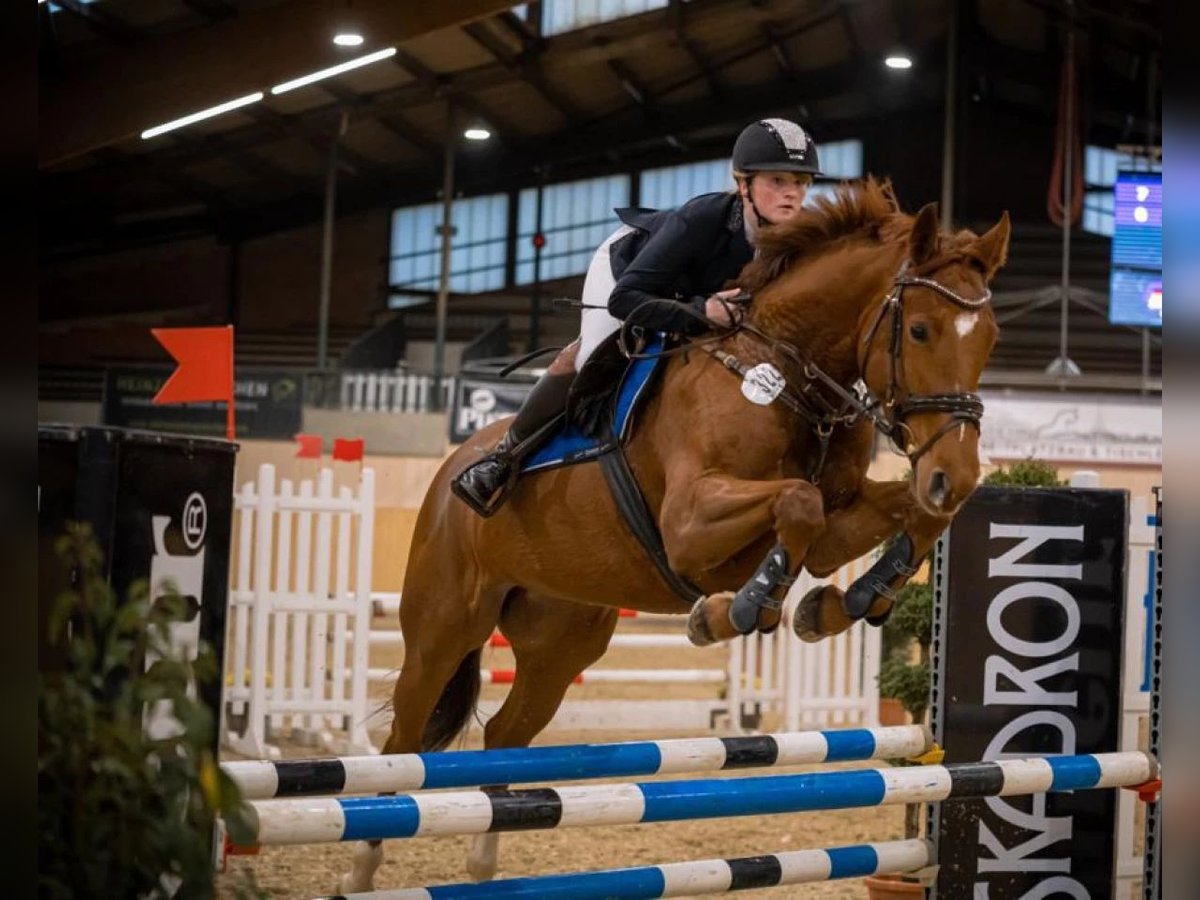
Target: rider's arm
(651,276)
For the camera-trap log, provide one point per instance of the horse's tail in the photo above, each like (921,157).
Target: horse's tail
(455,706)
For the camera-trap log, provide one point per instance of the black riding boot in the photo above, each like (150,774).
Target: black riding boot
(484,484)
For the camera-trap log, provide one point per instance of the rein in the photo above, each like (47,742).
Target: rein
(810,401)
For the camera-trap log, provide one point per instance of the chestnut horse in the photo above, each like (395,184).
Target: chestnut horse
(850,289)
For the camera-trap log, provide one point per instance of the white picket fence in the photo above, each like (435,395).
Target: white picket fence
(392,392)
(302,575)
(830,684)
(302,572)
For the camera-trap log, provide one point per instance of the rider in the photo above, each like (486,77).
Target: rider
(687,254)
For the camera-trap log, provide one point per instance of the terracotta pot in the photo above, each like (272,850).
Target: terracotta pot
(892,712)
(891,887)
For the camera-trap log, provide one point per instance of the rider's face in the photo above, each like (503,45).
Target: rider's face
(778,195)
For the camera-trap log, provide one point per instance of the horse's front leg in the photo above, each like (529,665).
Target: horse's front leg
(880,511)
(706,520)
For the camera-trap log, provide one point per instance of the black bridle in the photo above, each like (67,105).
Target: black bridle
(962,407)
(811,400)
(823,401)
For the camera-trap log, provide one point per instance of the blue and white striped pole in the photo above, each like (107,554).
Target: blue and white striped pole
(325,819)
(686,879)
(573,762)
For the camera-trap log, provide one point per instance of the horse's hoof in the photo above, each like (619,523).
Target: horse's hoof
(700,628)
(481,870)
(361,878)
(483,858)
(698,631)
(805,619)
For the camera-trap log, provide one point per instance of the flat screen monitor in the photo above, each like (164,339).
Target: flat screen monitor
(1135,288)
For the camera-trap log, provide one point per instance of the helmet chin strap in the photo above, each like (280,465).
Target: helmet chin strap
(762,220)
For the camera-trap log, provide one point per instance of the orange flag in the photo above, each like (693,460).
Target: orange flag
(205,367)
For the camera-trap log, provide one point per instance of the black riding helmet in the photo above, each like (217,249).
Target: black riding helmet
(775,145)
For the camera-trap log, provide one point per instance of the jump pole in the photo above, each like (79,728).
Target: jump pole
(569,762)
(686,879)
(330,819)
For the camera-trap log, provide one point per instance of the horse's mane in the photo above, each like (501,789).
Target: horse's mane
(865,209)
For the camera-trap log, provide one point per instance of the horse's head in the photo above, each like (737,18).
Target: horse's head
(923,351)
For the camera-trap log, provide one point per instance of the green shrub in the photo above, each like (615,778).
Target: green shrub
(911,622)
(121,814)
(1026,473)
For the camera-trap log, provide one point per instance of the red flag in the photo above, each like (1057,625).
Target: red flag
(310,446)
(205,357)
(349,450)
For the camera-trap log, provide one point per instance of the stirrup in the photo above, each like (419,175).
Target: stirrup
(486,506)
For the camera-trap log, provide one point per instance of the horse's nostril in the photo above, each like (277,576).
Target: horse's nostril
(939,487)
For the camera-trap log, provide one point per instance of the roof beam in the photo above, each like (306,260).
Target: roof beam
(189,186)
(693,49)
(783,56)
(526,66)
(529,35)
(108,100)
(284,181)
(392,124)
(440,86)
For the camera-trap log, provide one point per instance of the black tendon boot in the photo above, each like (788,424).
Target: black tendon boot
(484,484)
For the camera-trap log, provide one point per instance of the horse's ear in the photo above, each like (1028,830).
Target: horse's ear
(923,241)
(992,248)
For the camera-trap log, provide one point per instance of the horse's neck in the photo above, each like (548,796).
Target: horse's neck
(818,309)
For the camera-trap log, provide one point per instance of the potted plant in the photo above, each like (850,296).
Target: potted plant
(123,809)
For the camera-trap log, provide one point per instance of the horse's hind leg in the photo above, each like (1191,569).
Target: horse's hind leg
(553,641)
(438,684)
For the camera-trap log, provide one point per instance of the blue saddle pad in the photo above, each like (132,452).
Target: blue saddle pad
(569,445)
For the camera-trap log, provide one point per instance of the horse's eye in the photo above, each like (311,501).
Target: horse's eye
(919,332)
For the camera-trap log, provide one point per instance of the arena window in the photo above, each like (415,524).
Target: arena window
(476,248)
(576,217)
(567,15)
(1100,168)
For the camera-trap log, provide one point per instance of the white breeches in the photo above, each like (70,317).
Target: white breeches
(595,323)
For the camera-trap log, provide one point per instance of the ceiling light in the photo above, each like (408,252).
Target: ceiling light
(203,114)
(477,134)
(348,39)
(333,70)
(898,61)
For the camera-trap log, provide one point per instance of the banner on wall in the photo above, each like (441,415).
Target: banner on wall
(1081,428)
(480,401)
(269,404)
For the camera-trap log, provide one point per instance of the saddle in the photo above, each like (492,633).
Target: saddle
(601,412)
(601,407)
